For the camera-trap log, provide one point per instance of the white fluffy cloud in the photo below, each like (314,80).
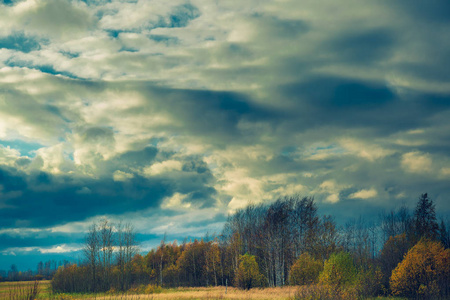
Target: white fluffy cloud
(163,167)
(417,162)
(364,194)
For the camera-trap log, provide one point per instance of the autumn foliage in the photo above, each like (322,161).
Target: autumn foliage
(424,272)
(305,270)
(286,242)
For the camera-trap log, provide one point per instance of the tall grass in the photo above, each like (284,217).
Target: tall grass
(23,291)
(203,293)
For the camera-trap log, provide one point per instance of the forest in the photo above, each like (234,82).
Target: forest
(283,243)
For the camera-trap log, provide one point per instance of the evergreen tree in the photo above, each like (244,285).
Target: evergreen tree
(425,223)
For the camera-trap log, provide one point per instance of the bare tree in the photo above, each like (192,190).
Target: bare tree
(395,223)
(106,251)
(91,252)
(162,247)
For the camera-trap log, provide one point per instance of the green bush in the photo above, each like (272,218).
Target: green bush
(338,270)
(305,270)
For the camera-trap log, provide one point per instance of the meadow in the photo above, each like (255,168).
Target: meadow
(24,290)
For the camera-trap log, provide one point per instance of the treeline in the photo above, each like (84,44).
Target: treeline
(44,270)
(286,242)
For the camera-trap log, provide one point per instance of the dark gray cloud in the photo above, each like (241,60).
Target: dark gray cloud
(211,114)
(432,11)
(46,200)
(342,102)
(44,239)
(364,47)
(137,158)
(98,135)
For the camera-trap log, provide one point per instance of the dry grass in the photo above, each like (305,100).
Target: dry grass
(169,294)
(209,293)
(23,290)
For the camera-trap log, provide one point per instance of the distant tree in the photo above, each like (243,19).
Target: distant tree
(305,270)
(91,252)
(138,270)
(3,274)
(425,222)
(13,274)
(424,272)
(324,239)
(162,247)
(212,257)
(391,255)
(360,239)
(396,223)
(40,268)
(127,248)
(248,275)
(106,240)
(444,235)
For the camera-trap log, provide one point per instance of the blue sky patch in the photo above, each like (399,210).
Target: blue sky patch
(20,42)
(25,148)
(165,39)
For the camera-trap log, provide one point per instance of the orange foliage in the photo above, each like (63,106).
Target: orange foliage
(425,271)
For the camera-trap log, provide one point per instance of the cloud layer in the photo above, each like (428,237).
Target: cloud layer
(175,114)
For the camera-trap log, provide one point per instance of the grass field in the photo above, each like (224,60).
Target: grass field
(18,291)
(24,290)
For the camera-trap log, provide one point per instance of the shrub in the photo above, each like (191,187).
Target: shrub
(325,292)
(338,270)
(70,279)
(248,275)
(370,282)
(152,289)
(424,272)
(305,270)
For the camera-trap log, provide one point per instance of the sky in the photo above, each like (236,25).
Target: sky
(173,114)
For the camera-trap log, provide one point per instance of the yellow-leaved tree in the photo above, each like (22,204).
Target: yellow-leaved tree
(248,275)
(424,272)
(338,270)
